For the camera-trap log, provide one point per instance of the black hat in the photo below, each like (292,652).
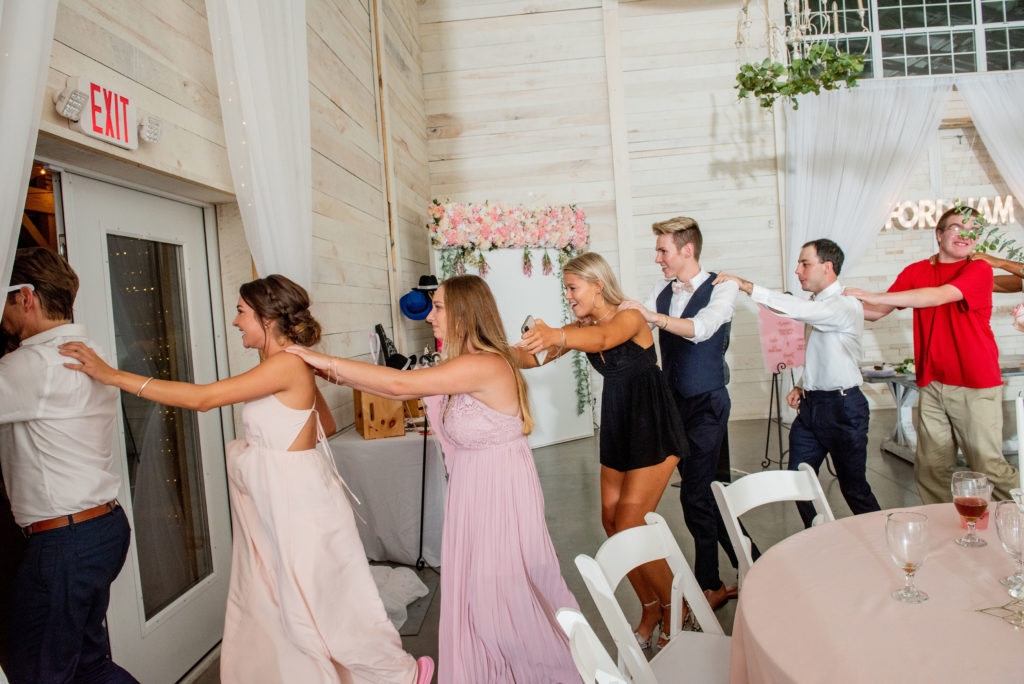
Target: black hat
(427,282)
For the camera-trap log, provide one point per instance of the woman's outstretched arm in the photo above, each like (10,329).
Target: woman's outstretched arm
(271,376)
(468,373)
(625,325)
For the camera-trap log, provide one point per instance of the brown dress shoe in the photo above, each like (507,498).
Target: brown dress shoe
(716,597)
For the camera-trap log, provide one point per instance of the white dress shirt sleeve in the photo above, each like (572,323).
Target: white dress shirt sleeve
(20,381)
(830,315)
(717,313)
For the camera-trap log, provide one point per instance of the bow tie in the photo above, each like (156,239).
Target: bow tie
(678,286)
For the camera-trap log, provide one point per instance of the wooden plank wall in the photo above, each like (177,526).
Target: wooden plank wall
(517,106)
(696,151)
(406,124)
(160,51)
(518,109)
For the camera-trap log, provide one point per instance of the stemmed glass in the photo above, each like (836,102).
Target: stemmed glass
(971,494)
(907,536)
(1010,526)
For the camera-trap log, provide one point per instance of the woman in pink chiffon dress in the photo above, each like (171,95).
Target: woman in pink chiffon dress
(500,580)
(302,605)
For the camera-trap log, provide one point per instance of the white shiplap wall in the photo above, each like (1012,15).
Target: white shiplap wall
(160,51)
(521,98)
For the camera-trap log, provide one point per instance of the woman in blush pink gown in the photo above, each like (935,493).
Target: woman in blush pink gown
(500,580)
(302,605)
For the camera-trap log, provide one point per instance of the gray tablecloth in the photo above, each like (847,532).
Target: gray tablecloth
(385,475)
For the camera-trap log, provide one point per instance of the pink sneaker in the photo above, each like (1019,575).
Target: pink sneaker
(424,670)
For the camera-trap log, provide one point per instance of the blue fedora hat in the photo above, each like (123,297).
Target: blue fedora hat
(415,304)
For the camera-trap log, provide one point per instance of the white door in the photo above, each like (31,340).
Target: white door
(145,296)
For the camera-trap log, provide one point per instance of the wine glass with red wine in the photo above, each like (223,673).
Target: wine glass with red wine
(971,494)
(906,534)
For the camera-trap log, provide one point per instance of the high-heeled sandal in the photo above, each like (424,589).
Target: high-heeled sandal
(690,623)
(646,643)
(666,624)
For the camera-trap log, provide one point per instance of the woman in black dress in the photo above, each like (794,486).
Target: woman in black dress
(642,436)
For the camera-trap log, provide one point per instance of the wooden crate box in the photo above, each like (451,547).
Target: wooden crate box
(378,417)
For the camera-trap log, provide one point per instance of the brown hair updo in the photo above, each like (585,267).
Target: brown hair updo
(279,300)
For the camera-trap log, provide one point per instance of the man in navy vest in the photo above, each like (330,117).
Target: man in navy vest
(695,318)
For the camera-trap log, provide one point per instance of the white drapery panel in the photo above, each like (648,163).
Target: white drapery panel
(996,101)
(259,52)
(26,35)
(849,155)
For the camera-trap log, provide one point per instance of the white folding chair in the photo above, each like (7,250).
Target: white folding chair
(757,489)
(694,656)
(592,660)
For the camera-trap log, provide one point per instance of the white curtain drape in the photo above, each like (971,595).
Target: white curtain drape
(996,101)
(259,52)
(849,155)
(26,35)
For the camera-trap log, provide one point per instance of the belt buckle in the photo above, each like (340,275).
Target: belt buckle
(842,392)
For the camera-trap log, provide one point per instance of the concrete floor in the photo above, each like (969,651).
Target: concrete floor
(569,475)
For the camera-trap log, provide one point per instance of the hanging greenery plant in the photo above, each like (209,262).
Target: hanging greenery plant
(991,239)
(824,68)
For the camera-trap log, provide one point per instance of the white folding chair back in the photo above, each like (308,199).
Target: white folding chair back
(631,548)
(758,489)
(592,660)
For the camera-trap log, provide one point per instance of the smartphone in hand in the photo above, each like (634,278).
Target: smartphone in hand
(525,328)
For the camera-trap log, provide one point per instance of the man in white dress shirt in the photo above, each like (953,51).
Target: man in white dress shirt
(56,431)
(833,413)
(694,317)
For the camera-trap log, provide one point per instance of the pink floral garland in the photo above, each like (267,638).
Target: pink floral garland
(491,226)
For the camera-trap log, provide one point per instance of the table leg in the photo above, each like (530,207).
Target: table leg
(903,442)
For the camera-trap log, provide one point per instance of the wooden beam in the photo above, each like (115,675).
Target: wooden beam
(620,146)
(387,170)
(27,224)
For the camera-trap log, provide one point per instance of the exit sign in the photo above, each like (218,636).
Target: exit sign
(108,114)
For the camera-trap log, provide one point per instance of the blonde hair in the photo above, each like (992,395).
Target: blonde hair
(684,231)
(592,267)
(473,321)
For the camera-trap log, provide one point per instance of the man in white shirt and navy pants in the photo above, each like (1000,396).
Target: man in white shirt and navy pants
(833,413)
(694,316)
(56,432)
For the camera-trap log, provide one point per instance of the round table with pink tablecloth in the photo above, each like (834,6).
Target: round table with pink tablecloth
(816,607)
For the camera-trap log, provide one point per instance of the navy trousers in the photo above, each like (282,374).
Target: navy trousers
(61,593)
(834,422)
(706,419)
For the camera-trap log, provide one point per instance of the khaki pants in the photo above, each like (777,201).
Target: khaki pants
(948,417)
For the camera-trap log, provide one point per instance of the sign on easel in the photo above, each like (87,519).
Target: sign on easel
(782,341)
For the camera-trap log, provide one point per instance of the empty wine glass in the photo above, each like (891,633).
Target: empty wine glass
(1010,526)
(971,494)
(907,536)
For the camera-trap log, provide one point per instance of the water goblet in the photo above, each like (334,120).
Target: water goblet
(1010,527)
(906,534)
(971,494)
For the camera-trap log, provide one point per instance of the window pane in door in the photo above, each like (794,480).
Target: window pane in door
(147,283)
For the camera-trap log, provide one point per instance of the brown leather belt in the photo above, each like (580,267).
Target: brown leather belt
(65,520)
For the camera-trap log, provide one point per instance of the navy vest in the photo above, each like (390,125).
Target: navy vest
(694,369)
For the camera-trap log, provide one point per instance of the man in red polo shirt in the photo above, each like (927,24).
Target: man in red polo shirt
(957,360)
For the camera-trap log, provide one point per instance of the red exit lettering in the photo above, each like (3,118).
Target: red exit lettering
(109,112)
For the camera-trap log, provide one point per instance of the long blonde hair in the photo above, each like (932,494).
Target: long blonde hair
(473,321)
(592,267)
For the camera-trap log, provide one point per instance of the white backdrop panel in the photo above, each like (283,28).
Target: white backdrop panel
(552,388)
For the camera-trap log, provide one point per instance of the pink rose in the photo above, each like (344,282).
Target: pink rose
(1018,317)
